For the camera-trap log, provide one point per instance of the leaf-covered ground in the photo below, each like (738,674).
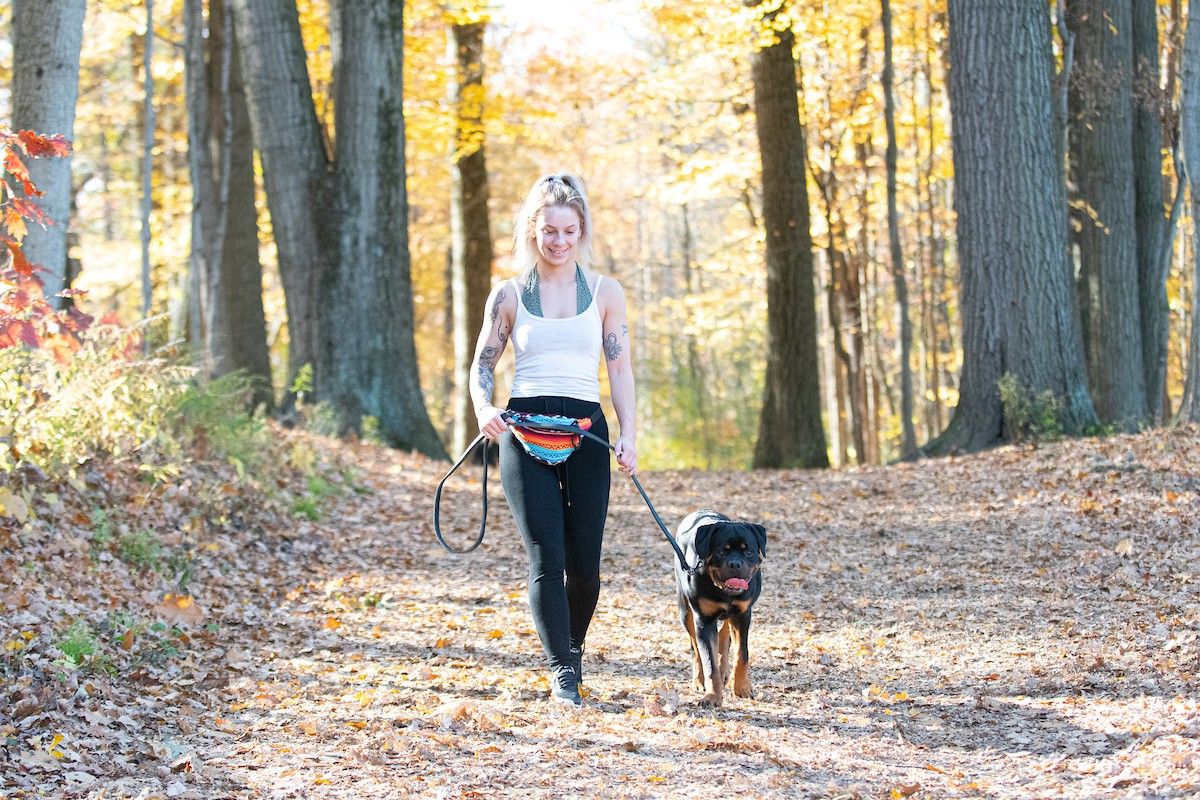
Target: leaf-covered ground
(1021,623)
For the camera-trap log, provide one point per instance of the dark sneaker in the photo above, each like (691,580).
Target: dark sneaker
(564,687)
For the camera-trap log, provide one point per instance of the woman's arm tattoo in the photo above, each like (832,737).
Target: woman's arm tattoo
(612,348)
(487,371)
(496,305)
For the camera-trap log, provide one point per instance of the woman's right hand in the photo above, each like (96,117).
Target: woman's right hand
(491,424)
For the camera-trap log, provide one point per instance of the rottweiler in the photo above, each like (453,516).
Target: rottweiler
(716,600)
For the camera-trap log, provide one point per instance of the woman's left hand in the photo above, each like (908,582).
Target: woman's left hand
(626,452)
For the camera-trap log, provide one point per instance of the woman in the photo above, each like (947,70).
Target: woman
(560,315)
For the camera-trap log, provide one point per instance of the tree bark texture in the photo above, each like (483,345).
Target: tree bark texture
(1016,304)
(470,231)
(1101,142)
(294,163)
(341,225)
(1150,221)
(237,327)
(46,45)
(790,432)
(366,299)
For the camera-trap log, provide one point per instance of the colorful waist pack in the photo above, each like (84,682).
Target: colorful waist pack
(548,438)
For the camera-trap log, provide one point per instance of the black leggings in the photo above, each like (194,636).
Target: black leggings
(560,513)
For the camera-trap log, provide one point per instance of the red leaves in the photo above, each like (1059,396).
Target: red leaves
(38,145)
(15,167)
(17,331)
(26,318)
(30,211)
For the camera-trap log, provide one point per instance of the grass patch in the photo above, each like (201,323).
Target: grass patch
(140,550)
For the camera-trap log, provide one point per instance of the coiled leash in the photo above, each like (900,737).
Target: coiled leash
(533,423)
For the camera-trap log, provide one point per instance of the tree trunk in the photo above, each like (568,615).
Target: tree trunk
(1101,139)
(200,171)
(1148,188)
(1189,124)
(46,40)
(366,301)
(237,327)
(295,167)
(227,276)
(790,432)
(341,228)
(470,232)
(1009,199)
(908,446)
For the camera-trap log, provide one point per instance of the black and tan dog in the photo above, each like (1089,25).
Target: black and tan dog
(715,601)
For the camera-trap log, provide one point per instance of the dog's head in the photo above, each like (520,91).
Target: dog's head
(731,553)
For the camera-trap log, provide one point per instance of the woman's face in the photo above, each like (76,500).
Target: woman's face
(556,231)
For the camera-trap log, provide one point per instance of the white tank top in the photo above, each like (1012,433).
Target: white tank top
(559,357)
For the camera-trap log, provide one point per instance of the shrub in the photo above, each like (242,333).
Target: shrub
(1028,416)
(214,416)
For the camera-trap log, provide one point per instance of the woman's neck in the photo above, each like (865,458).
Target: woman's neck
(552,274)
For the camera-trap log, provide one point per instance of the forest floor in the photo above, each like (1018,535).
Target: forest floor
(1021,623)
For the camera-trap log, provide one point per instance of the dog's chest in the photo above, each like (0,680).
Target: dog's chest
(722,609)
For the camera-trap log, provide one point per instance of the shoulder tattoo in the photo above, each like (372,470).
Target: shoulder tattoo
(612,348)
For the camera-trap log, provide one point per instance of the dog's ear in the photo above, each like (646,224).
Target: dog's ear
(760,537)
(703,540)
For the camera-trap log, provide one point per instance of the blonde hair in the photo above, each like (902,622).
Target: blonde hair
(555,189)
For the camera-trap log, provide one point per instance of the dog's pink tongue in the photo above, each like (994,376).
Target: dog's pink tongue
(737,583)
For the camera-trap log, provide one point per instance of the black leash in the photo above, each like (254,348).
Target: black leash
(565,428)
(437,497)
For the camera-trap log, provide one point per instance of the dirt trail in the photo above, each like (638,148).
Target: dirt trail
(1023,623)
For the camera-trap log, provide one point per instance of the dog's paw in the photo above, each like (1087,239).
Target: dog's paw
(743,691)
(710,700)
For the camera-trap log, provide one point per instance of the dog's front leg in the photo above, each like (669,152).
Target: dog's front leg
(741,665)
(706,636)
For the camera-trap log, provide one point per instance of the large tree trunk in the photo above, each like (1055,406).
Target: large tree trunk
(1016,304)
(295,167)
(1150,222)
(908,446)
(1102,149)
(341,227)
(367,302)
(470,231)
(46,38)
(789,432)
(237,327)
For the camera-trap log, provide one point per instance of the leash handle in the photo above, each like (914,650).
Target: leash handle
(437,498)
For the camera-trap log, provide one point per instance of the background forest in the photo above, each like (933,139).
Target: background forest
(654,104)
(849,233)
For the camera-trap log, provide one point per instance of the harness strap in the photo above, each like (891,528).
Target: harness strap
(565,428)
